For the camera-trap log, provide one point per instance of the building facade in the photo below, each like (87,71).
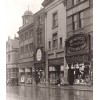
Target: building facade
(55,35)
(39,46)
(12,58)
(26,48)
(79,42)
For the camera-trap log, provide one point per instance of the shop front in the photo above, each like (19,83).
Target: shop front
(21,75)
(39,66)
(78,58)
(56,71)
(28,75)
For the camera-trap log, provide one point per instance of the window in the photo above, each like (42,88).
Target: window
(81,20)
(54,40)
(60,42)
(49,45)
(30,33)
(22,49)
(38,20)
(31,46)
(26,35)
(26,47)
(77,21)
(22,37)
(74,22)
(74,2)
(8,57)
(39,35)
(55,20)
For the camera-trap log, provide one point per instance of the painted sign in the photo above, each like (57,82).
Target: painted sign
(78,48)
(77,42)
(39,55)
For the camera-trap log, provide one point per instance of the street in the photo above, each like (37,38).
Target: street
(37,93)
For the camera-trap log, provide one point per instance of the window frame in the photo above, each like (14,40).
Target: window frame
(55,19)
(55,41)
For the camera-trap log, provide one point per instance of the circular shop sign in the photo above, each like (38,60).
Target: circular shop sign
(39,55)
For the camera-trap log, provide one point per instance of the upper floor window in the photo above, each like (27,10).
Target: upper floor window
(74,2)
(30,33)
(38,20)
(39,35)
(77,21)
(55,41)
(55,19)
(49,45)
(60,42)
(81,20)
(74,22)
(26,35)
(30,46)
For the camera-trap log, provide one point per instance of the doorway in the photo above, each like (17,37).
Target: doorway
(70,75)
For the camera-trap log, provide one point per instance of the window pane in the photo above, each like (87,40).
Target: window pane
(55,19)
(60,41)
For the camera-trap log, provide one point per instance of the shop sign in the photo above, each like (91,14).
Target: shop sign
(57,61)
(77,43)
(21,70)
(77,58)
(39,55)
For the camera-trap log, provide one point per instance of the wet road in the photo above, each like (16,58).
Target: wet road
(37,93)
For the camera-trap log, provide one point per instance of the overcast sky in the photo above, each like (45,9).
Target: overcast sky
(14,11)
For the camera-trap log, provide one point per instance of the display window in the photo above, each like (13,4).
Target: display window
(56,74)
(81,74)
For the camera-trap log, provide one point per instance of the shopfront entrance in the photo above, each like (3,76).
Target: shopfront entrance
(56,71)
(70,75)
(79,73)
(78,59)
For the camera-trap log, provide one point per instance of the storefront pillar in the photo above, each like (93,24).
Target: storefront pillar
(47,73)
(65,71)
(90,73)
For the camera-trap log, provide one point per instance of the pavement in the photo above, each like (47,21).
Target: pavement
(74,87)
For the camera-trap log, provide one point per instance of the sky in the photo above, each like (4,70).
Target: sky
(14,12)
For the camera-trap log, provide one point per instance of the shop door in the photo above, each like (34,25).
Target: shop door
(70,76)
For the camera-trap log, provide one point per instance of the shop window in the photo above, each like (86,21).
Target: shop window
(81,74)
(55,43)
(55,20)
